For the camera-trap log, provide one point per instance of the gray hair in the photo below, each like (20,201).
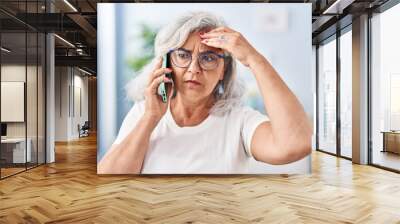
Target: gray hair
(173,36)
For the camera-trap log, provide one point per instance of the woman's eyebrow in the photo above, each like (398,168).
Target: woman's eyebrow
(208,51)
(202,52)
(183,49)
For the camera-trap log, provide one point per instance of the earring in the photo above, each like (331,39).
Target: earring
(220,88)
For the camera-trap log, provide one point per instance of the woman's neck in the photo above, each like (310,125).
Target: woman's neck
(190,113)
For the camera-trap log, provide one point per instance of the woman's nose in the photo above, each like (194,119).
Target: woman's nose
(194,66)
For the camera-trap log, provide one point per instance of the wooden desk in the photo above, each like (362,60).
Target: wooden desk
(13,150)
(391,141)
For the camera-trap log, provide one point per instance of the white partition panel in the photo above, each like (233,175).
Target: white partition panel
(12,101)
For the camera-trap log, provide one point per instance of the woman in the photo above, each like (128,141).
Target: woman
(203,128)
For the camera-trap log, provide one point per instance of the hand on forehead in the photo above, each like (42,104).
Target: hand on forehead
(194,41)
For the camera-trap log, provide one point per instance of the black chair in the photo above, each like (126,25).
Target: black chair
(84,130)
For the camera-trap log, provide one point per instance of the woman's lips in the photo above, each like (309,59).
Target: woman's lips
(193,82)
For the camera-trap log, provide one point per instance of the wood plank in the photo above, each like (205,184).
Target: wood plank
(70,191)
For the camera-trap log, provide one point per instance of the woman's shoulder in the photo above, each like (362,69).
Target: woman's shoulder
(236,112)
(244,112)
(241,109)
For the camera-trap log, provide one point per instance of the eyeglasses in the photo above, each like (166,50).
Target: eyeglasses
(208,60)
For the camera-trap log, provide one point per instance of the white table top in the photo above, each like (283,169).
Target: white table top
(13,140)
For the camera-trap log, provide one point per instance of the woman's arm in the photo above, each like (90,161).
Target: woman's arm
(287,136)
(127,157)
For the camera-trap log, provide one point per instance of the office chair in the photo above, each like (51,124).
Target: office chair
(84,130)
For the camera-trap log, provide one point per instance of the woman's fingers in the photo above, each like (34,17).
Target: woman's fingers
(216,35)
(215,42)
(157,66)
(158,72)
(156,82)
(222,40)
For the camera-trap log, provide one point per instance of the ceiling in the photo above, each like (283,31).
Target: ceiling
(76,22)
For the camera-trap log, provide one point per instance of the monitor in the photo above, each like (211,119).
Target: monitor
(3,129)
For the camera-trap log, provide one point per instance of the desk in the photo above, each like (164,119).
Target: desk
(391,141)
(16,147)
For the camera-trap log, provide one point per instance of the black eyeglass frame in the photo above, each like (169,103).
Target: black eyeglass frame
(198,56)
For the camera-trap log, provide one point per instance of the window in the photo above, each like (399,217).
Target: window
(327,97)
(385,89)
(346,94)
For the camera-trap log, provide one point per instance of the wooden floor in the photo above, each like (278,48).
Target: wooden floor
(10,171)
(70,191)
(5,172)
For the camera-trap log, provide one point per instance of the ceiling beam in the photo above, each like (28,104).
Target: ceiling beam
(85,25)
(337,6)
(82,61)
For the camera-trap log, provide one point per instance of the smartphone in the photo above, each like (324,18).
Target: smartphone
(162,88)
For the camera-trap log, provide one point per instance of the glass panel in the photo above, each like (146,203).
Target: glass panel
(314,75)
(346,94)
(41,99)
(23,89)
(327,97)
(31,86)
(13,87)
(386,89)
(31,101)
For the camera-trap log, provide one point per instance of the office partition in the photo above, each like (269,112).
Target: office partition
(22,77)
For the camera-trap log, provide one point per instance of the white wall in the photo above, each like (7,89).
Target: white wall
(61,103)
(79,117)
(70,83)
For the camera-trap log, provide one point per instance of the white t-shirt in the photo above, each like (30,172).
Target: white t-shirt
(218,145)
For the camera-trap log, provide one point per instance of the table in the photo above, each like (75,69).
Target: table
(391,141)
(16,147)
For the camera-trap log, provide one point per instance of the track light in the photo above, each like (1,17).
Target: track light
(84,71)
(5,50)
(64,40)
(70,5)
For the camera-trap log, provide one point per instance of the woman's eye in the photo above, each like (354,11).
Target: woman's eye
(208,58)
(183,55)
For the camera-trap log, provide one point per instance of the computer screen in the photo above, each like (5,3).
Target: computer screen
(3,129)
